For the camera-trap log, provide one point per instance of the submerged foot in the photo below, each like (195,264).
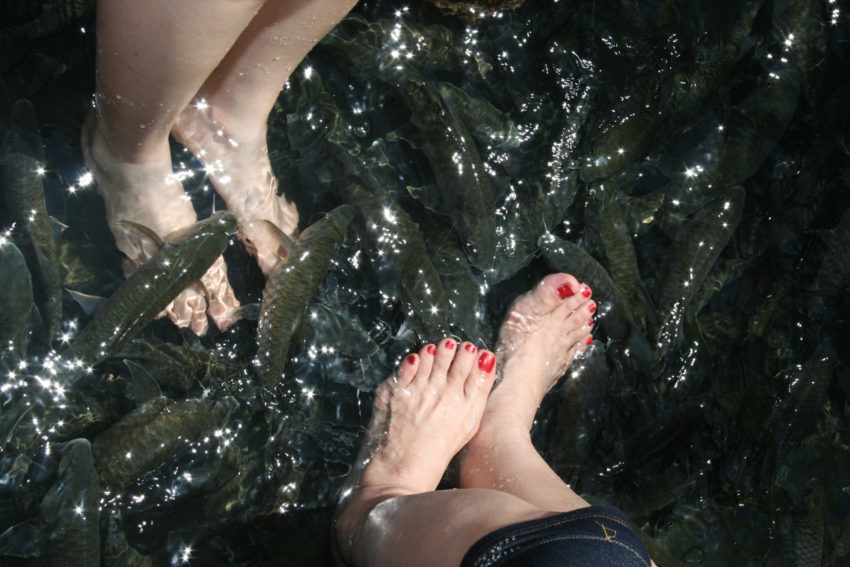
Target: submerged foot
(423,416)
(147,194)
(544,330)
(239,167)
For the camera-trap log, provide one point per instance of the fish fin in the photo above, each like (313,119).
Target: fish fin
(285,243)
(428,196)
(407,133)
(145,240)
(56,225)
(249,311)
(142,386)
(89,303)
(23,539)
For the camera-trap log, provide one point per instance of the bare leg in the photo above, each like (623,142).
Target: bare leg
(543,331)
(152,58)
(226,127)
(422,417)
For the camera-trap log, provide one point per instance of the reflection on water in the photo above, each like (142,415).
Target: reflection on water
(688,160)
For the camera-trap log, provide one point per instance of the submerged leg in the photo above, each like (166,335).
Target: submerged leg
(423,415)
(226,126)
(542,333)
(152,58)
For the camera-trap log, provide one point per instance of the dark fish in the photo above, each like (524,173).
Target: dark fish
(488,125)
(714,61)
(400,256)
(698,244)
(457,166)
(15,303)
(143,439)
(23,162)
(47,16)
(461,287)
(467,197)
(151,288)
(623,142)
(70,511)
(832,283)
(291,286)
(758,123)
(802,405)
(475,9)
(607,227)
(117,552)
(802,530)
(581,412)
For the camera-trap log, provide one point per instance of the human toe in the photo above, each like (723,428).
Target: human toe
(481,376)
(406,371)
(446,350)
(463,362)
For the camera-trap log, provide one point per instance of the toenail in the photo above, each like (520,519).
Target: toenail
(450,344)
(589,340)
(411,359)
(590,323)
(592,308)
(470,347)
(585,291)
(565,291)
(431,349)
(486,361)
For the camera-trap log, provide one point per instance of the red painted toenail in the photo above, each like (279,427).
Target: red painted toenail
(585,291)
(411,359)
(565,291)
(470,347)
(592,308)
(450,344)
(431,349)
(589,340)
(486,361)
(590,323)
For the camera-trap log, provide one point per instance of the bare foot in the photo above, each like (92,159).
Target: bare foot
(422,417)
(238,164)
(543,331)
(147,194)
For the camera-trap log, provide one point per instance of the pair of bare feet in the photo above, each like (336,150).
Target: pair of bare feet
(144,190)
(440,401)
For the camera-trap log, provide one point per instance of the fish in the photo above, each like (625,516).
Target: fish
(70,511)
(802,530)
(462,290)
(607,227)
(400,256)
(16,300)
(623,142)
(47,16)
(464,184)
(467,196)
(714,61)
(291,286)
(697,246)
(488,125)
(147,436)
(117,552)
(23,165)
(757,125)
(143,296)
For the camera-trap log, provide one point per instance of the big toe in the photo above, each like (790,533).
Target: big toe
(550,293)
